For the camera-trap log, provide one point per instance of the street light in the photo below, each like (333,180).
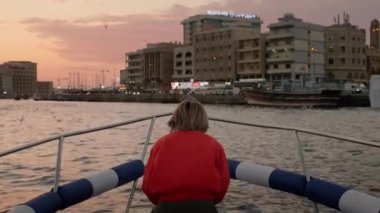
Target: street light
(314,50)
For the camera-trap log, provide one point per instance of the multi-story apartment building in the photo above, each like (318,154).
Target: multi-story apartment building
(295,51)
(373,61)
(373,51)
(44,88)
(251,56)
(345,52)
(151,67)
(19,78)
(158,64)
(183,64)
(133,75)
(215,53)
(374,32)
(215,20)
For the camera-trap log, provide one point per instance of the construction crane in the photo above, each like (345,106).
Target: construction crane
(59,81)
(103,78)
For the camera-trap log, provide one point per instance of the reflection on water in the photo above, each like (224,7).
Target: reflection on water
(29,173)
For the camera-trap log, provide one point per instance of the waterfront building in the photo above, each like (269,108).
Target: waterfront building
(183,64)
(215,20)
(158,61)
(346,51)
(44,88)
(251,56)
(133,77)
(19,78)
(295,51)
(374,34)
(151,67)
(373,60)
(215,52)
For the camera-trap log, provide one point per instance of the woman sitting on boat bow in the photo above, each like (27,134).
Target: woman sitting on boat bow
(187,170)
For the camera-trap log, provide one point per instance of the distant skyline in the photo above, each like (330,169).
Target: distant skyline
(88,36)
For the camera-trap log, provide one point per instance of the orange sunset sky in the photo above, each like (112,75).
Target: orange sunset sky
(65,36)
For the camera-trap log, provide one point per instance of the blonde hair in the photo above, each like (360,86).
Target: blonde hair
(189,115)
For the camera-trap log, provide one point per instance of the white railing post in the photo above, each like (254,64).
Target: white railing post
(304,168)
(142,159)
(58,164)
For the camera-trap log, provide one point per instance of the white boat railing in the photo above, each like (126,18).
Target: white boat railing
(61,138)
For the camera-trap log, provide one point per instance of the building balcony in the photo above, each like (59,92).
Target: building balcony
(281,57)
(136,74)
(280,47)
(248,48)
(248,60)
(249,72)
(279,71)
(280,36)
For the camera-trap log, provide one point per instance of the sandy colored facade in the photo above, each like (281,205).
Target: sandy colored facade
(374,34)
(346,52)
(251,56)
(295,51)
(373,61)
(215,53)
(150,68)
(183,64)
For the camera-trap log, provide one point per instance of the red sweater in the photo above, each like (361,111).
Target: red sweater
(186,165)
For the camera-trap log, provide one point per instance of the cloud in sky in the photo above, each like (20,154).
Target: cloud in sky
(106,37)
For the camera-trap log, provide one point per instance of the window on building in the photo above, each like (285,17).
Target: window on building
(343,38)
(349,75)
(343,49)
(353,61)
(331,49)
(353,50)
(343,61)
(275,66)
(287,66)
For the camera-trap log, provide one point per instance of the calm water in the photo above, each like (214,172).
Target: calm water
(29,173)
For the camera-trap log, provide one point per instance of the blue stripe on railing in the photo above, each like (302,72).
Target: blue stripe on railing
(129,171)
(75,192)
(325,192)
(233,164)
(49,202)
(288,182)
